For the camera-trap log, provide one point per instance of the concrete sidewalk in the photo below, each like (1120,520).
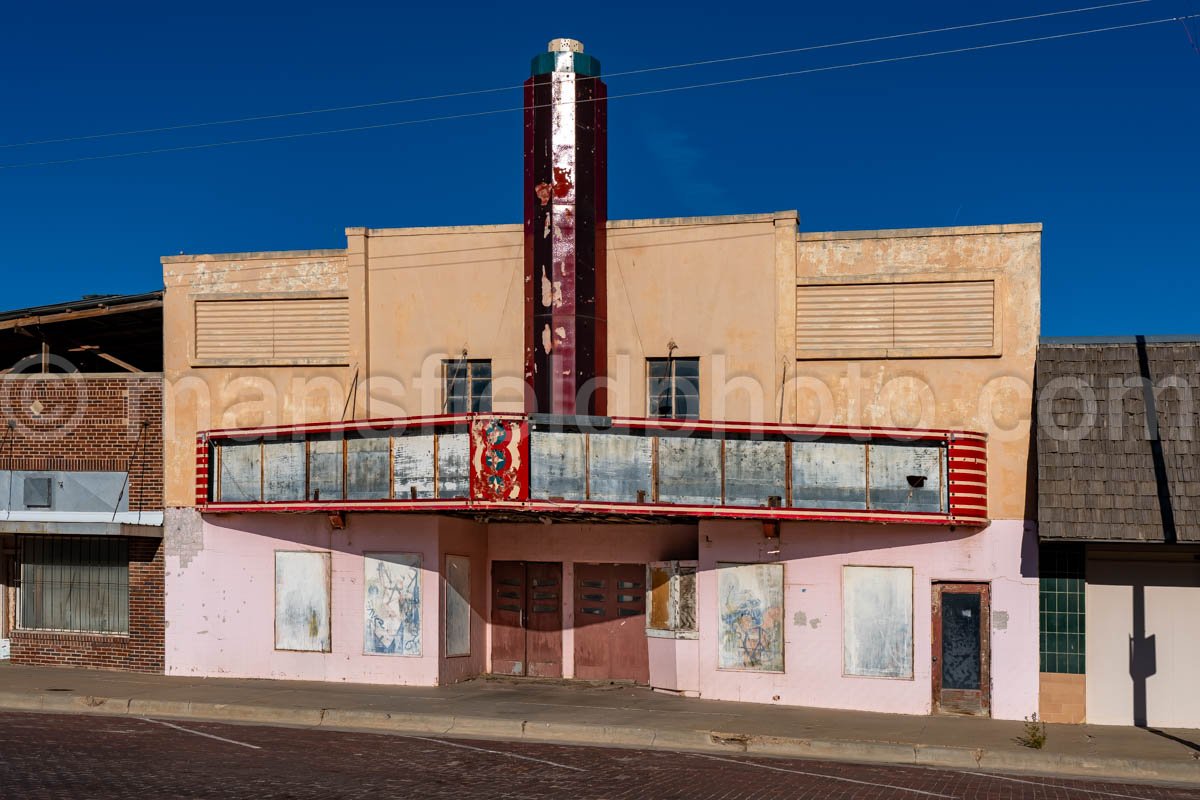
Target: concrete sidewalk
(612,715)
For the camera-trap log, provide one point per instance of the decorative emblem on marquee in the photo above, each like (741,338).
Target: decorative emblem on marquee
(498,471)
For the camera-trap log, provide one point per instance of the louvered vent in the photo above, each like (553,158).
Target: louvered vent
(289,330)
(876,319)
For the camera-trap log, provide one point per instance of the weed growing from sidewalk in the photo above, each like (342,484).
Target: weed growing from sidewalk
(1035,733)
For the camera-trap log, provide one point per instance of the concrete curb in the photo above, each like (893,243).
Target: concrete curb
(702,741)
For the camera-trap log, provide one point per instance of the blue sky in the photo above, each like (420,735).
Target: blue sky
(1094,136)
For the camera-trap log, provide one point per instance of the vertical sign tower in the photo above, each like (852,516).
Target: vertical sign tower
(566,211)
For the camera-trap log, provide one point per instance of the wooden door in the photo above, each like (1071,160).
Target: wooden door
(527,618)
(962,653)
(543,619)
(610,622)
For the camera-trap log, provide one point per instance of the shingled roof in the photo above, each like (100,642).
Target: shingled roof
(1103,475)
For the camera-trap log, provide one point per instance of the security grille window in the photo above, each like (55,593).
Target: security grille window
(468,386)
(673,386)
(73,583)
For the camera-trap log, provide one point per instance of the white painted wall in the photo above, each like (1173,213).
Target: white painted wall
(1172,618)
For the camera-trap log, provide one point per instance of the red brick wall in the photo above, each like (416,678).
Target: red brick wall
(142,650)
(95,423)
(102,422)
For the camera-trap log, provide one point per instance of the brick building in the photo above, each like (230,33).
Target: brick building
(81,561)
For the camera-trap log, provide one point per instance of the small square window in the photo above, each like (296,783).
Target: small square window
(673,388)
(468,385)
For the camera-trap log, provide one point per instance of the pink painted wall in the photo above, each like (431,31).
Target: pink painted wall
(587,544)
(814,554)
(220,597)
(675,665)
(460,537)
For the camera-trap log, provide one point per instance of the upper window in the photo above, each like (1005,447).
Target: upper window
(74,583)
(673,387)
(468,386)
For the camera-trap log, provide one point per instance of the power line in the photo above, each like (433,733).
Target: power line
(644,93)
(642,71)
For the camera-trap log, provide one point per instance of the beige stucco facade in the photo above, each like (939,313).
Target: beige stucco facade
(722,289)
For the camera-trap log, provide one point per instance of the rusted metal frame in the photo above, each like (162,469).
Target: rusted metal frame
(392,468)
(966,445)
(723,471)
(437,443)
(623,510)
(867,474)
(587,466)
(377,424)
(67,316)
(944,480)
(787,474)
(307,468)
(345,468)
(654,468)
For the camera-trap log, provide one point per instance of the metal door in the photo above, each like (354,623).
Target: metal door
(610,622)
(527,618)
(962,653)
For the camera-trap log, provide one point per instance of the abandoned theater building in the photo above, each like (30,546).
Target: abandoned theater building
(719,456)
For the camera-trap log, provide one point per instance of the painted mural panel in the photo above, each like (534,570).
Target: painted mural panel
(302,601)
(392,616)
(458,606)
(877,620)
(750,617)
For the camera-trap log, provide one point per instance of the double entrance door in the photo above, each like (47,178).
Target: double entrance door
(610,620)
(527,618)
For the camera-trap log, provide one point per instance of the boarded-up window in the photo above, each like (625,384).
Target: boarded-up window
(877,611)
(282,330)
(671,601)
(878,319)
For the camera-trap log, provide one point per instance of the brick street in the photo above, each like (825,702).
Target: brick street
(106,758)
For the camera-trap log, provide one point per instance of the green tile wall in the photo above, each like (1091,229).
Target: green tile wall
(1061,607)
